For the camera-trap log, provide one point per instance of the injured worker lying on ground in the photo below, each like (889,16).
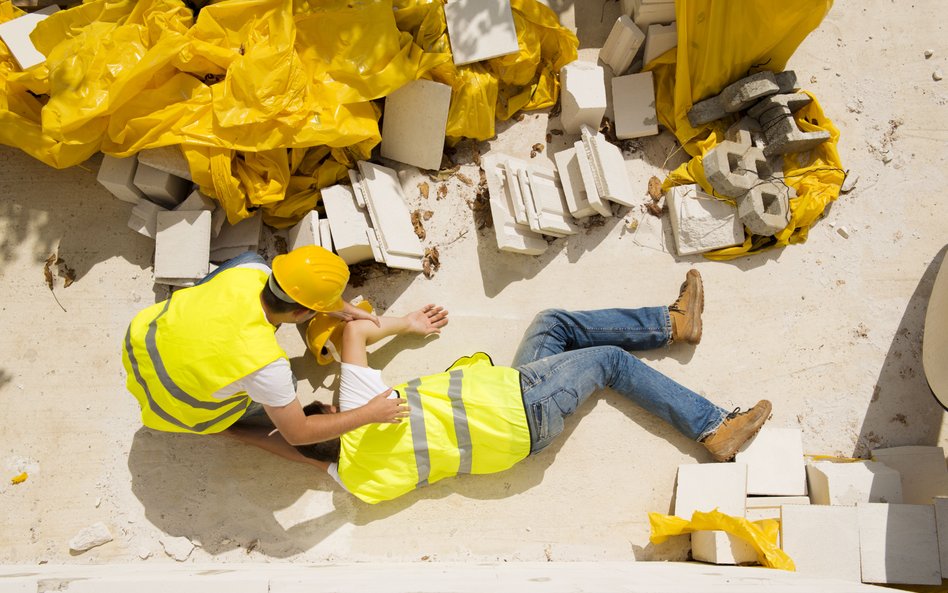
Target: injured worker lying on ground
(477,418)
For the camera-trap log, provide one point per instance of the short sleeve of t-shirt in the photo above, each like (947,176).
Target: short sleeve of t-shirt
(272,385)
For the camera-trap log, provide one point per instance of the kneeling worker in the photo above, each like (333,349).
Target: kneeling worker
(207,359)
(477,418)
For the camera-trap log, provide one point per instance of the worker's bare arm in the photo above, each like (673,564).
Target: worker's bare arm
(299,429)
(359,334)
(352,313)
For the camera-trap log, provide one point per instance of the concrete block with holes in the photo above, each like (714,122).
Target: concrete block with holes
(169,159)
(775,114)
(732,169)
(583,96)
(649,12)
(414,124)
(922,468)
(607,166)
(305,232)
(480,29)
(144,218)
(511,236)
(571,180)
(633,100)
(235,239)
(765,208)
(622,45)
(118,176)
(162,188)
(746,131)
(701,222)
(658,40)
(720,547)
(775,465)
(851,483)
(898,544)
(708,486)
(182,245)
(348,224)
(822,540)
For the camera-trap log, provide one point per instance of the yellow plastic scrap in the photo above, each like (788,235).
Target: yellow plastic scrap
(718,43)
(19,479)
(761,535)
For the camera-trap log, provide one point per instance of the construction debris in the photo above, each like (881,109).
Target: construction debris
(179,548)
(90,537)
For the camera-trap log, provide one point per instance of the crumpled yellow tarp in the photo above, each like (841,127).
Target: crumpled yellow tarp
(270,100)
(761,535)
(719,43)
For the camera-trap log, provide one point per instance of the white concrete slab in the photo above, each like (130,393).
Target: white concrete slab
(512,169)
(510,235)
(775,464)
(118,176)
(923,470)
(15,33)
(622,45)
(658,40)
(898,544)
(586,171)
(720,547)
(348,224)
(305,232)
(700,222)
(480,29)
(823,541)
(708,486)
(388,210)
(235,239)
(182,244)
(608,168)
(571,180)
(850,483)
(325,235)
(549,204)
(633,100)
(413,125)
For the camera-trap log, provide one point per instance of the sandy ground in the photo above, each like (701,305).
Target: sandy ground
(829,330)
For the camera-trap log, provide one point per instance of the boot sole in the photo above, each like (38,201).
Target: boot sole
(695,336)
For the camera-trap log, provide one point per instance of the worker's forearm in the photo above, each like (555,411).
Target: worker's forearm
(324,427)
(371,333)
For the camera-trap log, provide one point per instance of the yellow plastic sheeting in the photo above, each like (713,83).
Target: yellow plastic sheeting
(719,43)
(761,535)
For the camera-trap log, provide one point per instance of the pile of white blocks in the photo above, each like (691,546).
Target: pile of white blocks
(646,24)
(882,521)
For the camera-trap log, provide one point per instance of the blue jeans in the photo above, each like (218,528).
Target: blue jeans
(566,356)
(247,257)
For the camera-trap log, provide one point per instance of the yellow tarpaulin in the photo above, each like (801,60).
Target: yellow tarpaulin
(270,100)
(720,42)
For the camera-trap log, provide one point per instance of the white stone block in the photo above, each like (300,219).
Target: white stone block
(144,218)
(348,223)
(199,201)
(162,188)
(898,544)
(512,169)
(923,470)
(571,180)
(511,236)
(708,486)
(701,222)
(623,43)
(646,13)
(235,239)
(325,234)
(182,244)
(305,232)
(658,40)
(548,203)
(480,29)
(388,210)
(582,96)
(15,33)
(414,124)
(118,176)
(768,507)
(588,175)
(608,168)
(774,459)
(941,526)
(720,547)
(822,540)
(169,159)
(850,483)
(633,100)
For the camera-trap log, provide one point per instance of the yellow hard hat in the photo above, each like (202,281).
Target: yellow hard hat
(313,277)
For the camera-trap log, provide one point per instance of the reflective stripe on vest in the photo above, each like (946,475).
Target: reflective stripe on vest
(420,437)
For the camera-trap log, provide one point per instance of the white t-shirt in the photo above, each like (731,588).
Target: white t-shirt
(357,385)
(272,385)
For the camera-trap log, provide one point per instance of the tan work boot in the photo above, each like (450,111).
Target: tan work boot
(685,313)
(736,429)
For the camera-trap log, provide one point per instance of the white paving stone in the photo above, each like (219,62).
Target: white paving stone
(720,547)
(548,203)
(118,176)
(571,180)
(480,29)
(182,244)
(898,544)
(924,474)
(708,486)
(348,223)
(162,188)
(390,216)
(851,483)
(658,40)
(414,124)
(15,33)
(701,222)
(822,540)
(582,96)
(608,168)
(305,232)
(775,464)
(633,100)
(511,236)
(623,43)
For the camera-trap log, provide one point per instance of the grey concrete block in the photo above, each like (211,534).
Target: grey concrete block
(746,131)
(162,188)
(169,159)
(775,114)
(765,208)
(787,81)
(144,218)
(733,169)
(744,92)
(118,176)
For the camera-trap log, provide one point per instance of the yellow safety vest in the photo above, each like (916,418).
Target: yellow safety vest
(179,352)
(467,420)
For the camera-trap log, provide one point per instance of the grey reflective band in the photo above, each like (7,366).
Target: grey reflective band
(242,401)
(275,289)
(461,430)
(419,438)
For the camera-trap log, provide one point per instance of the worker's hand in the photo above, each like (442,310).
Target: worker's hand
(381,408)
(427,320)
(352,313)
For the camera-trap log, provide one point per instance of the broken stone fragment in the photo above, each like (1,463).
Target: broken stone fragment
(90,537)
(178,548)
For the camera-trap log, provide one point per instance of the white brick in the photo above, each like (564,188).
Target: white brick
(144,218)
(199,201)
(235,239)
(623,43)
(548,203)
(708,486)
(660,38)
(608,168)
(182,244)
(646,13)
(512,169)
(701,222)
(162,188)
(596,200)
(348,224)
(720,547)
(414,124)
(941,526)
(325,234)
(118,176)
(571,180)
(15,33)
(305,232)
(480,29)
(768,507)
(511,236)
(633,100)
(924,475)
(774,459)
(389,212)
(582,96)
(849,483)
(169,159)
(822,540)
(898,544)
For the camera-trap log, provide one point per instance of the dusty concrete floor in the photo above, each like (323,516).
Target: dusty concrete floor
(829,330)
